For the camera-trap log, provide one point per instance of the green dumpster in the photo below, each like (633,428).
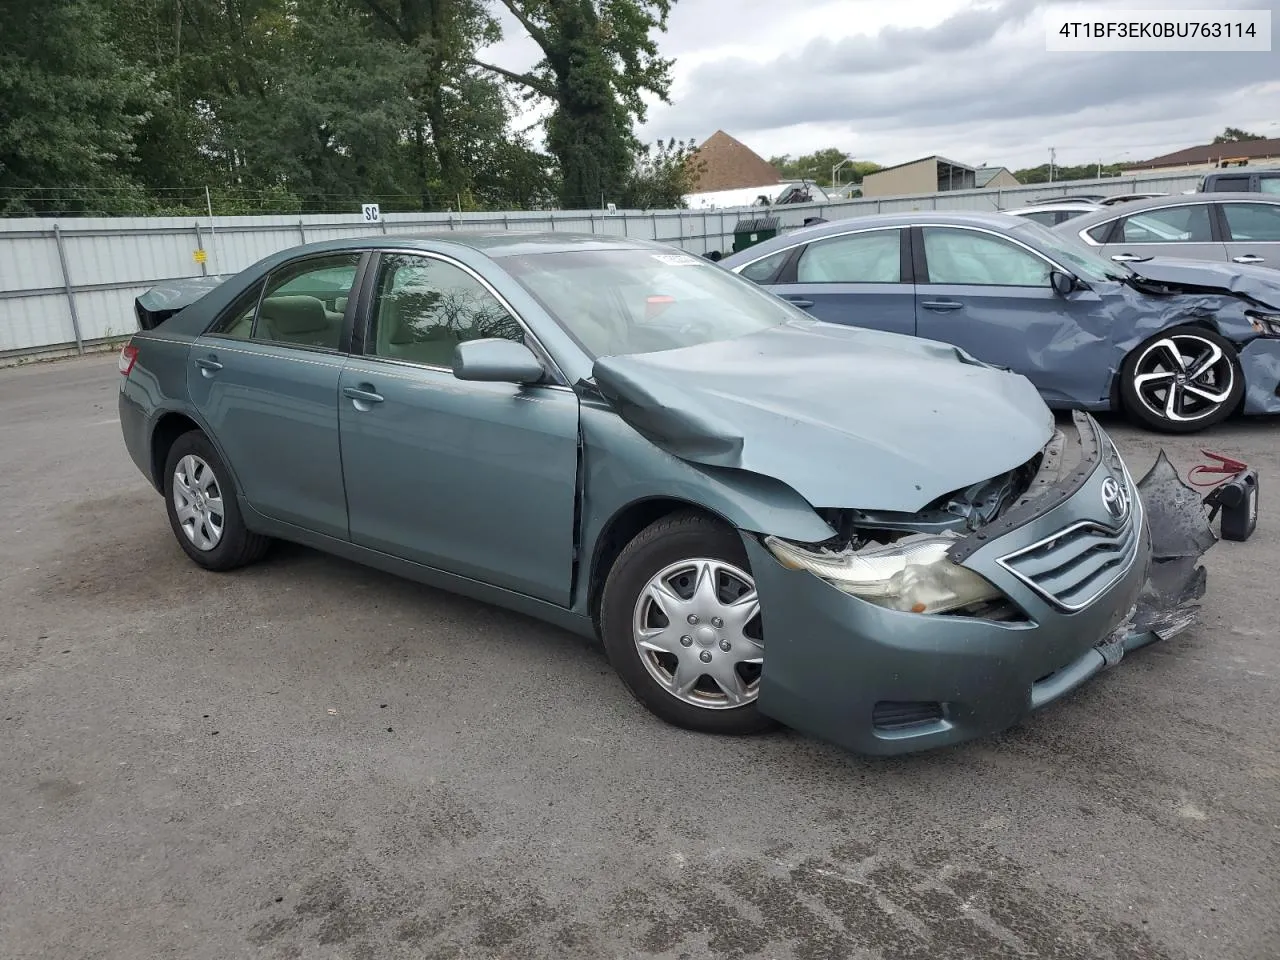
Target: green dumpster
(753,230)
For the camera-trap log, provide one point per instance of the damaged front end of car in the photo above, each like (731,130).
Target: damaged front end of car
(986,605)
(913,562)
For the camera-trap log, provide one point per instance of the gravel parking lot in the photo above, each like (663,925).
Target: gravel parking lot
(308,759)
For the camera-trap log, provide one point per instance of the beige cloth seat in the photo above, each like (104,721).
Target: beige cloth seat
(299,319)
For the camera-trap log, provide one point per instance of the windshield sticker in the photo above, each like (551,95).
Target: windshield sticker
(676,259)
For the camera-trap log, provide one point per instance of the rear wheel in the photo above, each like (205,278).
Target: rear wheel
(201,500)
(1182,380)
(681,625)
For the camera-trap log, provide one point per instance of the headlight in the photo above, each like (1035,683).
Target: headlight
(912,575)
(1267,324)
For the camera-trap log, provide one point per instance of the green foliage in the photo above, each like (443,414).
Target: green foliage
(599,59)
(662,175)
(817,167)
(1236,135)
(71,109)
(1086,171)
(134,106)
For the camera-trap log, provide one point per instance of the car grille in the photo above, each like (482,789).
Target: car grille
(1076,565)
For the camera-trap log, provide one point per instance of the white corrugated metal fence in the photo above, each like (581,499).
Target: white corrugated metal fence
(69,284)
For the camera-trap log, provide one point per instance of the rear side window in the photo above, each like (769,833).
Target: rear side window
(762,271)
(1100,233)
(305,301)
(237,320)
(1269,185)
(873,257)
(1186,224)
(1253,221)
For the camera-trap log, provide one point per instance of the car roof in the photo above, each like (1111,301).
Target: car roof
(492,243)
(1060,205)
(1156,203)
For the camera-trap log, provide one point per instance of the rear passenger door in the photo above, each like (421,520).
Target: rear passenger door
(265,380)
(1189,230)
(1253,232)
(858,278)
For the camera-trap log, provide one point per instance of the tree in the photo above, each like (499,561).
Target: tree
(1236,135)
(598,60)
(442,33)
(817,166)
(1086,171)
(662,175)
(71,108)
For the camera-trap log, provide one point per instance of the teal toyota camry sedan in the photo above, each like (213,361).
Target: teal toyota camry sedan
(872,538)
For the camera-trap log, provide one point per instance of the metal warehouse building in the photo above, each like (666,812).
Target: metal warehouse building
(928,175)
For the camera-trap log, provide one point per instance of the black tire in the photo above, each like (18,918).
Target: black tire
(673,539)
(1145,408)
(237,546)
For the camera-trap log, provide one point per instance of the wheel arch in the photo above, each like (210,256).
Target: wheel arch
(624,526)
(168,428)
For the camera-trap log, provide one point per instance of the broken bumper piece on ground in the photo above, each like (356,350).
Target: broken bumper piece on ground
(1180,536)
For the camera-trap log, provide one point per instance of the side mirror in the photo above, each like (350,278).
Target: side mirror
(1062,283)
(494,360)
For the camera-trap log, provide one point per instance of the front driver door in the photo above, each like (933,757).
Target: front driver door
(478,479)
(857,279)
(993,298)
(265,380)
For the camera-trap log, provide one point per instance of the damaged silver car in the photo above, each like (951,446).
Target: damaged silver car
(875,539)
(1177,345)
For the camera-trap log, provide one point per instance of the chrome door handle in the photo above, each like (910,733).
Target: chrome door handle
(798,301)
(362,397)
(941,304)
(1128,258)
(1248,258)
(208,366)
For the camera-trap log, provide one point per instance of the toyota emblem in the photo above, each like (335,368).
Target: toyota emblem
(1115,498)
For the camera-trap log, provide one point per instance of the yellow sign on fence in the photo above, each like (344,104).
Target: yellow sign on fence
(200,256)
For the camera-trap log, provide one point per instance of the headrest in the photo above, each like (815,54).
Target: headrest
(294,315)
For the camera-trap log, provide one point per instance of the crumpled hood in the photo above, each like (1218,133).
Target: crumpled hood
(846,417)
(1261,284)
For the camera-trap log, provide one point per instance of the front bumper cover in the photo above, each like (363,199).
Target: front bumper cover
(834,661)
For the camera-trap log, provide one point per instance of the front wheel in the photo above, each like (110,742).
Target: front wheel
(1182,380)
(680,621)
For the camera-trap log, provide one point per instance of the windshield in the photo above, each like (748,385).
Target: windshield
(619,301)
(1075,256)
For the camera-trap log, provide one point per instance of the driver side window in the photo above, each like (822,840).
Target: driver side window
(980,259)
(425,307)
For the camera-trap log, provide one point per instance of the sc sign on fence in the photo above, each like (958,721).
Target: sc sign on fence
(370,212)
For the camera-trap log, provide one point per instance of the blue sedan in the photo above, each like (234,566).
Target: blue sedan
(1179,345)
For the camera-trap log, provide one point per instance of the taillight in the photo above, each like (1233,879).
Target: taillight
(128,357)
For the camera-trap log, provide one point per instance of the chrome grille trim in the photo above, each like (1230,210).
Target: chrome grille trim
(1088,555)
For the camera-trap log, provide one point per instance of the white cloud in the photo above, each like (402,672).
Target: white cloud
(968,79)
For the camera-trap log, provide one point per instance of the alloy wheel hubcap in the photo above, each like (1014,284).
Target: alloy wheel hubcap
(696,627)
(197,500)
(1183,378)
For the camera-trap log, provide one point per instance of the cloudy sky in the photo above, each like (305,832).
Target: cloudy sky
(892,80)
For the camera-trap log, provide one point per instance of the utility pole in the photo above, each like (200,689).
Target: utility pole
(1053,153)
(834,182)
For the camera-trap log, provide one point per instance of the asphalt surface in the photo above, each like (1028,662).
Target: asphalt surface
(308,759)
